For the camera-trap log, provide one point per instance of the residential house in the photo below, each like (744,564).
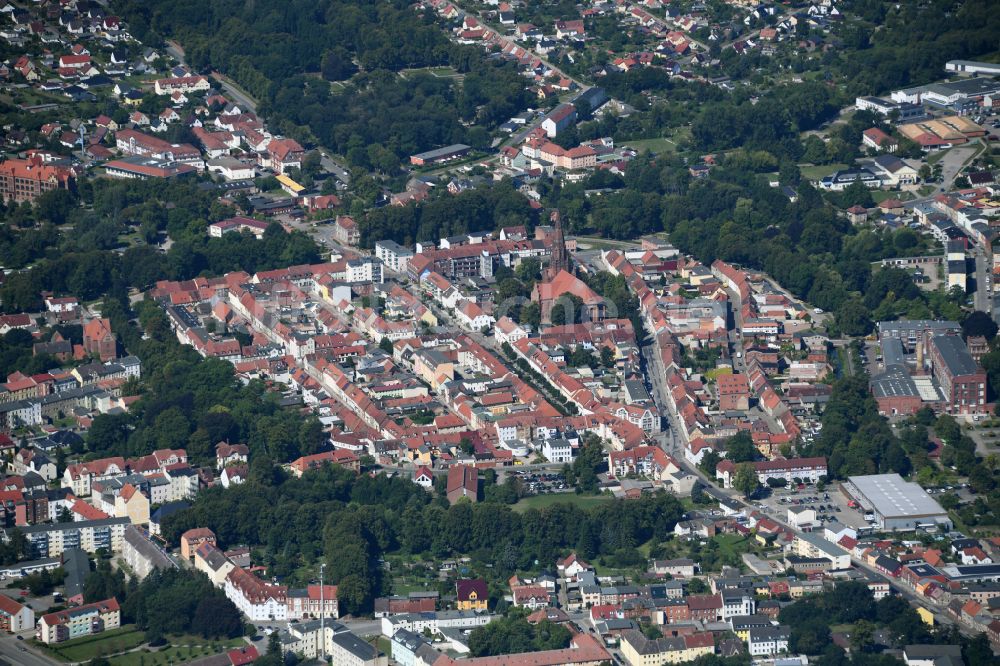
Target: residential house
(471,594)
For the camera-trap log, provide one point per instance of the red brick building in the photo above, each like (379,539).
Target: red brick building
(25,180)
(99,340)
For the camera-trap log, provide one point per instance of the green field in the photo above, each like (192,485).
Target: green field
(542,501)
(817,171)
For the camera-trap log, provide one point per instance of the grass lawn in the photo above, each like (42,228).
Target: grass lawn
(109,642)
(182,649)
(542,501)
(660,145)
(818,171)
(440,72)
(734,544)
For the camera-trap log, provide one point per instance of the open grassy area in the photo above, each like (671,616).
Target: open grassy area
(881,195)
(542,501)
(660,145)
(175,654)
(817,171)
(440,72)
(108,642)
(125,639)
(734,545)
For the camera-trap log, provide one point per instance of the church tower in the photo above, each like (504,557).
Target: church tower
(560,257)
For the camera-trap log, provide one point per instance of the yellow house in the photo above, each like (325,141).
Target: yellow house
(424,314)
(133,505)
(926,616)
(433,367)
(471,594)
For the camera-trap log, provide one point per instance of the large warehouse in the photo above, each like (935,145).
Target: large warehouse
(897,504)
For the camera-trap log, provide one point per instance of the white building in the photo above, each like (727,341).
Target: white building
(15,617)
(393,255)
(767,641)
(259,601)
(557,451)
(434,622)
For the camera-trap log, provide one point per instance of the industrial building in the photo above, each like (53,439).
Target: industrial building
(896,504)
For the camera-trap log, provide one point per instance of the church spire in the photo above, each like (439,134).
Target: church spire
(560,257)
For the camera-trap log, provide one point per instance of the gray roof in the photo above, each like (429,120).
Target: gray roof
(892,352)
(76,564)
(147,549)
(895,382)
(955,355)
(893,497)
(78,525)
(354,645)
(761,634)
(443,152)
(915,325)
(890,163)
(932,651)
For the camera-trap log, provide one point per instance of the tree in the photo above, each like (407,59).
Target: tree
(740,448)
(567,309)
(852,318)
(745,479)
(709,461)
(217,617)
(696,586)
(978,323)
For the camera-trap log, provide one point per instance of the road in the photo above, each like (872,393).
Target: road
(982,299)
(22,653)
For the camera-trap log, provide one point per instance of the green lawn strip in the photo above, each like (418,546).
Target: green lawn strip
(542,501)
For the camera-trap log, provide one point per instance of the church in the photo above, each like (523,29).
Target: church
(558,280)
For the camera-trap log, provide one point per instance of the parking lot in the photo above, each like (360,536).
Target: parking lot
(829,504)
(541,482)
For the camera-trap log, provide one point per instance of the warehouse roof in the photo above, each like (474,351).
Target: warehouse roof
(893,497)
